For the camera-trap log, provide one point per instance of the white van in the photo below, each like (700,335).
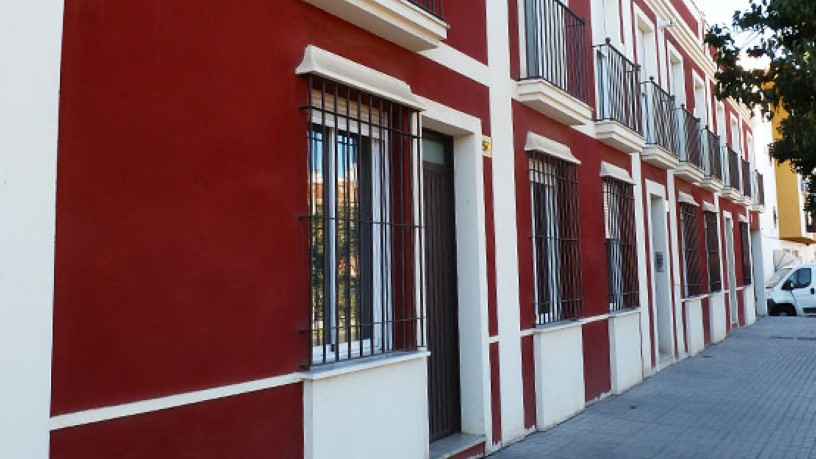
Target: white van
(791,291)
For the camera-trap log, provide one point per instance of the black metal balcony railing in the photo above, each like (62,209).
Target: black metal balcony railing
(689,138)
(759,189)
(556,47)
(733,168)
(746,179)
(432,6)
(660,125)
(618,81)
(712,155)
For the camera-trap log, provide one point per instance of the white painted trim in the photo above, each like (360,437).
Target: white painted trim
(172,401)
(506,234)
(459,62)
(471,262)
(619,173)
(589,320)
(687,199)
(398,21)
(743,218)
(332,370)
(333,67)
(552,327)
(31,50)
(709,207)
(550,147)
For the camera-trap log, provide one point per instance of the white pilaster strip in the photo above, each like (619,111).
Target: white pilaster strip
(504,205)
(30,50)
(677,288)
(643,280)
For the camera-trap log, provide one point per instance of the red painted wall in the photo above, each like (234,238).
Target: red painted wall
(258,425)
(597,371)
(181,250)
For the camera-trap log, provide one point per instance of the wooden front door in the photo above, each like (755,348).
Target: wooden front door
(441,286)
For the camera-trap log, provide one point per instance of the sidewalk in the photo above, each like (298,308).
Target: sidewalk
(751,396)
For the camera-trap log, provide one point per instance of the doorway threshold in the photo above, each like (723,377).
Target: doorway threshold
(453,446)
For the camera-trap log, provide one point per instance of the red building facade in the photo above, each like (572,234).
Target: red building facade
(336,228)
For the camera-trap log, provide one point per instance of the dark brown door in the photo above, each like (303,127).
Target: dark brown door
(441,286)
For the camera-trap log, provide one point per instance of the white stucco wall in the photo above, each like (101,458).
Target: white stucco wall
(388,403)
(694,326)
(717,317)
(30,44)
(559,373)
(624,350)
(749,304)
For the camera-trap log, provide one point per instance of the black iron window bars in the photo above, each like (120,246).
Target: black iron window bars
(432,6)
(746,178)
(712,152)
(556,49)
(621,249)
(660,125)
(745,244)
(693,284)
(689,138)
(712,251)
(364,233)
(556,239)
(733,168)
(618,88)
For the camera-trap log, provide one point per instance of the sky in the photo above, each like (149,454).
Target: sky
(721,11)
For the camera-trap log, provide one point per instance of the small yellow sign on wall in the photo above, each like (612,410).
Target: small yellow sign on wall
(487,146)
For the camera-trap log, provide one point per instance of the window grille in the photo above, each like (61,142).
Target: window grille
(691,250)
(713,251)
(746,253)
(364,236)
(556,240)
(621,250)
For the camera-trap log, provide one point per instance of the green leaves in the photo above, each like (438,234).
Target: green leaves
(785,32)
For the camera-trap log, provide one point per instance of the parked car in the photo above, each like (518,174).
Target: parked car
(791,291)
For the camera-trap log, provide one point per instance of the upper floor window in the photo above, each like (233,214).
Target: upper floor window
(363,230)
(621,249)
(556,46)
(691,250)
(556,241)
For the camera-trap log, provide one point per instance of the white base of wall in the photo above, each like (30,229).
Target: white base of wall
(695,335)
(559,371)
(750,307)
(718,320)
(624,350)
(371,413)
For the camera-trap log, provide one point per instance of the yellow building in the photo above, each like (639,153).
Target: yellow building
(795,224)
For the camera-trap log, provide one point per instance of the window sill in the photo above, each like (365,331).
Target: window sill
(554,327)
(624,313)
(330,370)
(398,21)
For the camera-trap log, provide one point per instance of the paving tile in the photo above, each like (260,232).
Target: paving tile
(752,396)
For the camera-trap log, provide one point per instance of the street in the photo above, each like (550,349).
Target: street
(751,396)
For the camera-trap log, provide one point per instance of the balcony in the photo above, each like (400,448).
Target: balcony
(619,120)
(747,188)
(689,147)
(555,81)
(733,185)
(660,126)
(759,193)
(713,176)
(417,25)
